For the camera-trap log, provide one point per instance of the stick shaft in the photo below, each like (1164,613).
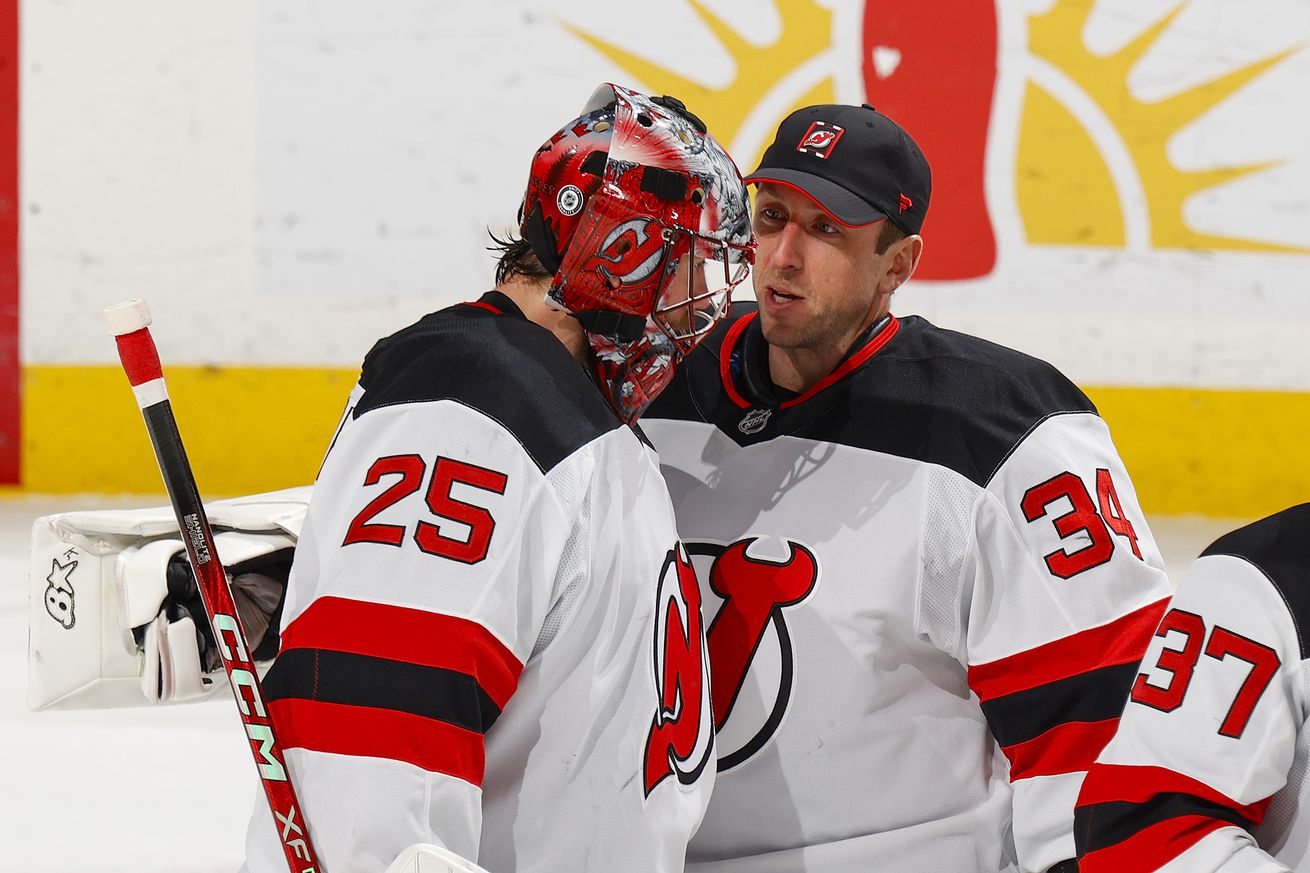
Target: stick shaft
(141,363)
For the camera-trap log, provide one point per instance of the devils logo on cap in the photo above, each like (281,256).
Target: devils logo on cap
(820,139)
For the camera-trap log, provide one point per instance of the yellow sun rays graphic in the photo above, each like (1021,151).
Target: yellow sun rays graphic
(1065,189)
(760,71)
(1109,183)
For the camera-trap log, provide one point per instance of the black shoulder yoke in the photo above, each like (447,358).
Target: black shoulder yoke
(488,357)
(926,393)
(1279,546)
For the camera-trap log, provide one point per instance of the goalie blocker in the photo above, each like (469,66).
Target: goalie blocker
(115,618)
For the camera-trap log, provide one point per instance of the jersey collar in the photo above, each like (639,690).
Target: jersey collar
(497,303)
(739,368)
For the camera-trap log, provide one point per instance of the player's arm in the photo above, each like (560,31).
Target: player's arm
(425,569)
(1067,587)
(1208,737)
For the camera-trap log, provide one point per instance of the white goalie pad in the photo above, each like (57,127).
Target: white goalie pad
(426,858)
(95,575)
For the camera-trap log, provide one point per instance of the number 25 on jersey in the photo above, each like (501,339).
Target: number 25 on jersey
(446,473)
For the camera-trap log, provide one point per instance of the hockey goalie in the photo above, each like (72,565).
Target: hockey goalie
(485,638)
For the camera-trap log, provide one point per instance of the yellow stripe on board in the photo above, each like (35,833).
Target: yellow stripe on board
(245,429)
(1235,454)
(1230,454)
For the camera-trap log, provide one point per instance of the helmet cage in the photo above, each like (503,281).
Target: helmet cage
(701,290)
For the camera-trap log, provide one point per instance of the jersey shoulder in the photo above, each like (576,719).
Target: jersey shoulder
(958,400)
(1279,547)
(926,394)
(509,369)
(974,375)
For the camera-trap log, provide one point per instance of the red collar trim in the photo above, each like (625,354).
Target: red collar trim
(725,359)
(487,306)
(844,369)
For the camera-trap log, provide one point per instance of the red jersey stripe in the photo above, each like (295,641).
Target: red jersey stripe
(364,731)
(1152,847)
(1109,783)
(1067,748)
(1122,641)
(414,636)
(480,305)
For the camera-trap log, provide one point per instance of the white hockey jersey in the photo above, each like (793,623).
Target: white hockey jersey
(1208,769)
(927,583)
(491,638)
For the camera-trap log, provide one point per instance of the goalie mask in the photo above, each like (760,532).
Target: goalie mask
(644,221)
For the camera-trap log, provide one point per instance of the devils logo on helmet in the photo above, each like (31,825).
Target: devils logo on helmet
(631,252)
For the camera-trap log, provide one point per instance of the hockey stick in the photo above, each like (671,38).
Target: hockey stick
(129,324)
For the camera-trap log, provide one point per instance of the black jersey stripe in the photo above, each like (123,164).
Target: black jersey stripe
(1097,695)
(1102,825)
(362,680)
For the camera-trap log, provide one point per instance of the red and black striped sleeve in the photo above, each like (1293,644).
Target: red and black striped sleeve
(1142,817)
(369,679)
(1209,740)
(1054,707)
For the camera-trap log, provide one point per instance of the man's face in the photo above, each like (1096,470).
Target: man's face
(817,281)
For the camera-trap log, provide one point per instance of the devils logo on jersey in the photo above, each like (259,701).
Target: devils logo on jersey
(681,738)
(751,655)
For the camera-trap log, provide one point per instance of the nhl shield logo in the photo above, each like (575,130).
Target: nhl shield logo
(820,139)
(754,421)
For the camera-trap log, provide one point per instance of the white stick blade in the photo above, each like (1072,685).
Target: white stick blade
(127,317)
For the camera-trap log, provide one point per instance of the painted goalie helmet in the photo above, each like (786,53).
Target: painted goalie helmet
(644,221)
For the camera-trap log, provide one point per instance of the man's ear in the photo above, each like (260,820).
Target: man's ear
(904,255)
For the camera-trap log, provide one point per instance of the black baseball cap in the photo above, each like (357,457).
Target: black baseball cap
(855,162)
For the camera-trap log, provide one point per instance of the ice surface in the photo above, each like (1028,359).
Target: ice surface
(150,790)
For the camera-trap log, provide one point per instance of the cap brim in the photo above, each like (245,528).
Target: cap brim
(835,200)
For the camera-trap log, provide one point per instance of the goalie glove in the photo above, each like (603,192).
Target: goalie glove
(180,658)
(115,619)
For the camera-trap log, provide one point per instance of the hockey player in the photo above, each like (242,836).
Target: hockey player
(491,640)
(491,634)
(927,578)
(1207,771)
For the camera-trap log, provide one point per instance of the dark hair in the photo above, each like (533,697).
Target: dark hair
(888,236)
(515,258)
